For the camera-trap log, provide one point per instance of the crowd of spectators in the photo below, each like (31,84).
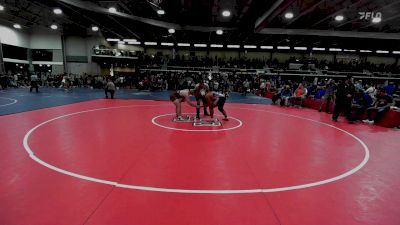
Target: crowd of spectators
(372,96)
(352,98)
(359,66)
(51,80)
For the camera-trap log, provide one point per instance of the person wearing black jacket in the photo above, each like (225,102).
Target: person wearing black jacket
(344,94)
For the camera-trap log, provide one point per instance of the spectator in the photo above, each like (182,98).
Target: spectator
(299,95)
(390,89)
(381,106)
(110,87)
(34,83)
(358,85)
(283,96)
(329,96)
(246,87)
(371,91)
(361,102)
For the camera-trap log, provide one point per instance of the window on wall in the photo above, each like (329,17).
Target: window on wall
(42,55)
(14,52)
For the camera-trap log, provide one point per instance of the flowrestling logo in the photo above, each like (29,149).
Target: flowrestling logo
(370,15)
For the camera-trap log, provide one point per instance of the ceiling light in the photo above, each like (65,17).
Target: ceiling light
(40,65)
(184,44)
(121,42)
(226,13)
(289,15)
(216,46)
(318,49)
(160,12)
(283,47)
(167,44)
(130,40)
(339,18)
(94,28)
(171,31)
(57,11)
(382,51)
(365,51)
(17,26)
(335,49)
(396,52)
(112,10)
(233,46)
(377,20)
(249,46)
(54,27)
(349,50)
(134,42)
(150,43)
(200,45)
(219,32)
(266,47)
(112,39)
(48,65)
(1,8)
(300,48)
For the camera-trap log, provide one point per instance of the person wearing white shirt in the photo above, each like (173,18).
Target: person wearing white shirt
(34,83)
(110,87)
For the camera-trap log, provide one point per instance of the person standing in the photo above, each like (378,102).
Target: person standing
(246,87)
(328,96)
(200,92)
(344,95)
(34,83)
(110,87)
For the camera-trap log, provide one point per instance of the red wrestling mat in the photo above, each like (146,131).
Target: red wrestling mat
(128,162)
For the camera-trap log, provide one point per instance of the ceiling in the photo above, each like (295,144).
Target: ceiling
(258,22)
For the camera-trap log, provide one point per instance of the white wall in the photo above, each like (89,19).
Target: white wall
(81,68)
(75,46)
(57,55)
(83,46)
(11,36)
(45,39)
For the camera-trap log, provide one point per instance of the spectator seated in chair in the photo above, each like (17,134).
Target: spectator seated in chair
(390,89)
(381,106)
(283,96)
(299,96)
(361,102)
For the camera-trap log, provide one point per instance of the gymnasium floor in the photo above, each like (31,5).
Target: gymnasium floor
(76,158)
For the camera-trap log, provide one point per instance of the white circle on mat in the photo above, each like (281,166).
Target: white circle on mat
(13,101)
(196,191)
(154,121)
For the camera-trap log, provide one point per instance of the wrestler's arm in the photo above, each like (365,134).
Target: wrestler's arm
(187,99)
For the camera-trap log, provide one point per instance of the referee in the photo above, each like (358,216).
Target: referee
(344,95)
